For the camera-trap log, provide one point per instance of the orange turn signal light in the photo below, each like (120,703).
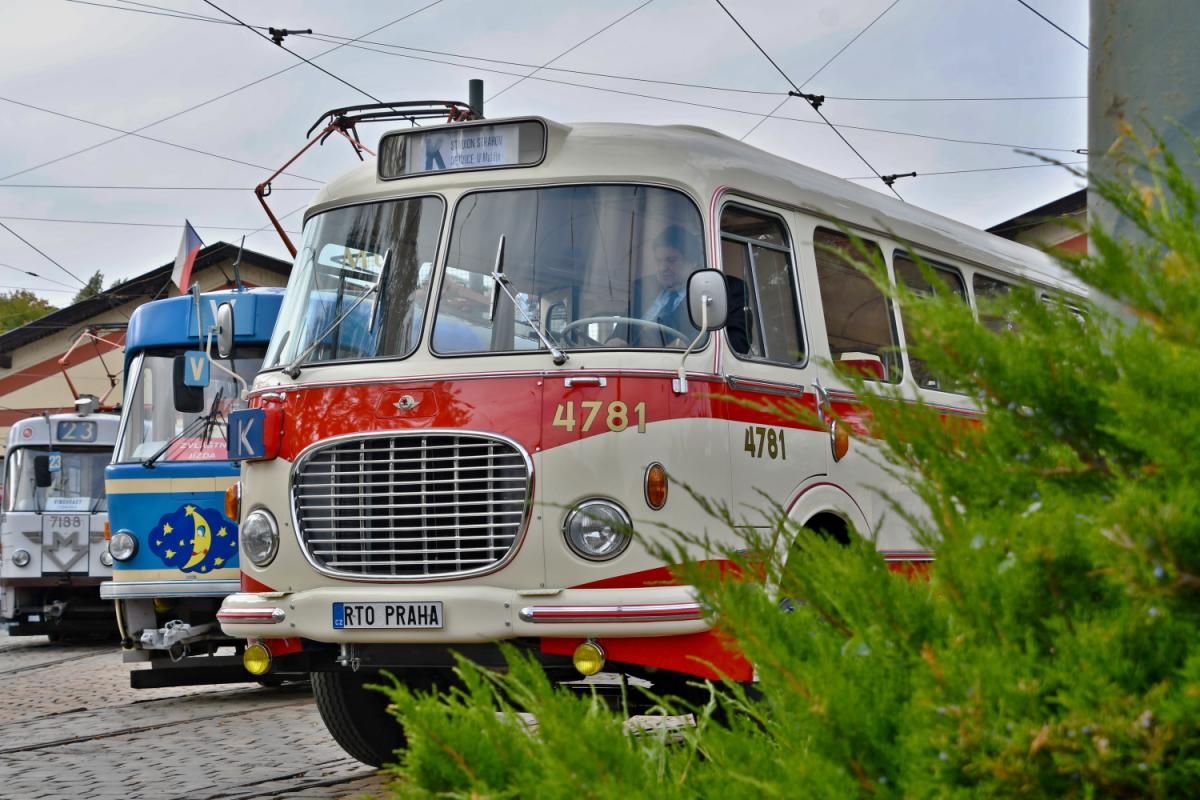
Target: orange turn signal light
(839,440)
(656,486)
(233,502)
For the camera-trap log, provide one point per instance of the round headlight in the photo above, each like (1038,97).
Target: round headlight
(21,558)
(106,559)
(598,530)
(123,545)
(260,537)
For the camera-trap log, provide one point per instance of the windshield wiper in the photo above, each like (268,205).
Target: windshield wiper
(203,422)
(500,283)
(292,370)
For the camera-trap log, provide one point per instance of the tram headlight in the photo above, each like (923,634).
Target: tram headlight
(123,545)
(21,558)
(260,537)
(598,530)
(106,559)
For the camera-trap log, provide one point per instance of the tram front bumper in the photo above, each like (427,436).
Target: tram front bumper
(463,615)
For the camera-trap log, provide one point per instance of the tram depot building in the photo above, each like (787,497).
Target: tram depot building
(31,380)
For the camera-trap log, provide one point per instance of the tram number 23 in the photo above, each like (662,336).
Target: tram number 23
(763,442)
(615,416)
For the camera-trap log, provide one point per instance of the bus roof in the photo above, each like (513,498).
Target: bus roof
(172,321)
(706,162)
(64,429)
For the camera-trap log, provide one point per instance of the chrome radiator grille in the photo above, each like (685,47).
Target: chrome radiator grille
(411,505)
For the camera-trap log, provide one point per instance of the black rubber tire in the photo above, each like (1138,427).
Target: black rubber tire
(357,717)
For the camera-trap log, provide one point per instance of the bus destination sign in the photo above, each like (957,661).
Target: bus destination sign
(456,148)
(478,146)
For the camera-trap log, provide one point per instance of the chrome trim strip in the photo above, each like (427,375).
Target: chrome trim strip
(263,616)
(315,449)
(646,612)
(765,387)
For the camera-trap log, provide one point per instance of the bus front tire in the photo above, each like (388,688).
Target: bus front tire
(356,716)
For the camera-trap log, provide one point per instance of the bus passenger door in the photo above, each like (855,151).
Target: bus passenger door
(857,326)
(776,447)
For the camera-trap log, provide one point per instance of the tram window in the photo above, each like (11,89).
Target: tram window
(987,291)
(763,321)
(359,286)
(591,266)
(908,272)
(857,317)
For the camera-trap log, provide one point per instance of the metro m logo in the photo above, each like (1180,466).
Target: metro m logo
(64,549)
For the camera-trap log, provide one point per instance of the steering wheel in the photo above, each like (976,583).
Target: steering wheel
(666,330)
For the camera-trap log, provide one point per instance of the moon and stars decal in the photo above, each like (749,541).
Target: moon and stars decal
(193,539)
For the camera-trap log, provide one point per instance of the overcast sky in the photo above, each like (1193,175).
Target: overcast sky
(124,67)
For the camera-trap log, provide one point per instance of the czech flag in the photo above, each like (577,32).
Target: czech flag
(189,246)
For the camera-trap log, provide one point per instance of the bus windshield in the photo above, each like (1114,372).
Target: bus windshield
(76,479)
(359,285)
(153,418)
(592,266)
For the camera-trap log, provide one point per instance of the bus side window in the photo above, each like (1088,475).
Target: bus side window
(764,319)
(988,289)
(908,272)
(857,318)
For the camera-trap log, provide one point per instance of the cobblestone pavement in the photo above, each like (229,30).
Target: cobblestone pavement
(70,727)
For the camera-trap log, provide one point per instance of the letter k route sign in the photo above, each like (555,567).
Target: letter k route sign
(246,434)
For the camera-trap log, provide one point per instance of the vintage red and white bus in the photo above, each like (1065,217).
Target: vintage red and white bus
(493,352)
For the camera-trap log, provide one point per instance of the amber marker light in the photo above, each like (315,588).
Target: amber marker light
(257,659)
(839,440)
(233,502)
(656,486)
(107,531)
(588,658)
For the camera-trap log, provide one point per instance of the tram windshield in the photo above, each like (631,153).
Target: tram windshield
(153,415)
(76,479)
(594,266)
(359,285)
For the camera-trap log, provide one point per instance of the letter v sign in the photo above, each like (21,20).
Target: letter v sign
(195,371)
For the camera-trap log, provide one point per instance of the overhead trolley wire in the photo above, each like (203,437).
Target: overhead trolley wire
(134,133)
(575,46)
(117,222)
(39,277)
(1052,24)
(42,253)
(812,101)
(712,107)
(846,46)
(313,64)
(137,131)
(977,169)
(115,187)
(333,38)
(821,69)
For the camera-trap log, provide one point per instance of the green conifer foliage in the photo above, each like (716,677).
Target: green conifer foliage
(1054,649)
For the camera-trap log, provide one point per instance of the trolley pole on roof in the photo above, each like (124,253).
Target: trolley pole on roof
(1143,67)
(475,97)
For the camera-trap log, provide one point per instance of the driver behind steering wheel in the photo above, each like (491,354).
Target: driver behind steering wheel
(662,297)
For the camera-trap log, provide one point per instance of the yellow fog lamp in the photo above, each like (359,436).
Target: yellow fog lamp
(257,659)
(588,658)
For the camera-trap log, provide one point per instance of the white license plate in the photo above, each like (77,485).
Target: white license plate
(387,615)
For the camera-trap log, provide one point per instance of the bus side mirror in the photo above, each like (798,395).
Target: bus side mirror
(706,288)
(188,399)
(225,330)
(41,472)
